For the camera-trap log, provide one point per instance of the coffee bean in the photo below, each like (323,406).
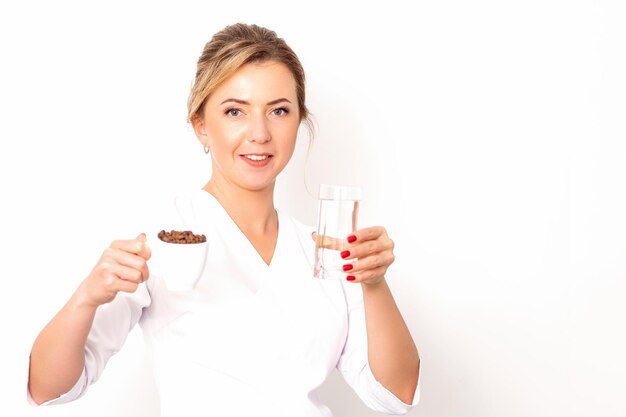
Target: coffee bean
(182,237)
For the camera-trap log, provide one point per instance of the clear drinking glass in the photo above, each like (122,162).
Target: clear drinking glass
(337,218)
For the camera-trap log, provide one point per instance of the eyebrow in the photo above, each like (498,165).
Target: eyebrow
(269,103)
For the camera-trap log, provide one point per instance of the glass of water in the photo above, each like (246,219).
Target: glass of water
(337,218)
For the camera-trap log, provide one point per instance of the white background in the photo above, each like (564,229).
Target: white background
(488,136)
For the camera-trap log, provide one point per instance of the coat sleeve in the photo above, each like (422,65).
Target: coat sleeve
(111,326)
(354,366)
(352,362)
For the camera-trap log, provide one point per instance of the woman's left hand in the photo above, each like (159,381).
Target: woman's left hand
(373,251)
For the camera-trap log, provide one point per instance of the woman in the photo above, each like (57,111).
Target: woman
(257,334)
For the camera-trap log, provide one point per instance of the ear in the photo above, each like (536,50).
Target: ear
(199,128)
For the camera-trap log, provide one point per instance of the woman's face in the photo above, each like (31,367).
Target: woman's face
(250,123)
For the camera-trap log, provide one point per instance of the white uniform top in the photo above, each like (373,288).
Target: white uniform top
(249,339)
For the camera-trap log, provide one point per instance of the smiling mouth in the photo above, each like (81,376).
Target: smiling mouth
(257,157)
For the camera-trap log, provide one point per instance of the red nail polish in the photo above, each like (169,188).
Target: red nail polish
(350,278)
(351,239)
(347,267)
(345,254)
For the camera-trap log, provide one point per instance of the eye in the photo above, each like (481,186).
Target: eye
(280,111)
(232,112)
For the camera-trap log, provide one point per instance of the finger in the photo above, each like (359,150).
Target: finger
(145,272)
(327,242)
(367,233)
(122,272)
(145,251)
(128,259)
(368,248)
(135,246)
(369,276)
(381,259)
(146,254)
(127,286)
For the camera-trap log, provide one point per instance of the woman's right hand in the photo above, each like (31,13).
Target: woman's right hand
(122,267)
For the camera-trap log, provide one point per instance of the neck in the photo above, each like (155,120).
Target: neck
(251,210)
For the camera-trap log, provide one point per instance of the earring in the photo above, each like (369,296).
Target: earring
(207,148)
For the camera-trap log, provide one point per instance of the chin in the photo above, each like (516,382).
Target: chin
(257,182)
(257,187)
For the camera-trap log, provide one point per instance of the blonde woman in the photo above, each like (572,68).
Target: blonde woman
(257,334)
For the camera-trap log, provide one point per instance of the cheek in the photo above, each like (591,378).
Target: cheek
(294,137)
(291,145)
(289,135)
(223,136)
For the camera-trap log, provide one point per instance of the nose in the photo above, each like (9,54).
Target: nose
(259,130)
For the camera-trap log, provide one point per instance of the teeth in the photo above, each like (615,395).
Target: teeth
(256,157)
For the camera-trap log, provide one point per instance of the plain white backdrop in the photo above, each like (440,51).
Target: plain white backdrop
(488,137)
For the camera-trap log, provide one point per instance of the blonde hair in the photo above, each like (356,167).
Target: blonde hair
(237,45)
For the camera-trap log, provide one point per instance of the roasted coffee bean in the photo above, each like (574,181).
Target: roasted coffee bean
(183,237)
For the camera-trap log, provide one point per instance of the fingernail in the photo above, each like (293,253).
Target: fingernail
(345,254)
(347,267)
(350,278)
(351,239)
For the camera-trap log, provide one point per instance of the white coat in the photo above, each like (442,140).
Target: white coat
(249,339)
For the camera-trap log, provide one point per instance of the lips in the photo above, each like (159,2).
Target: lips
(257,160)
